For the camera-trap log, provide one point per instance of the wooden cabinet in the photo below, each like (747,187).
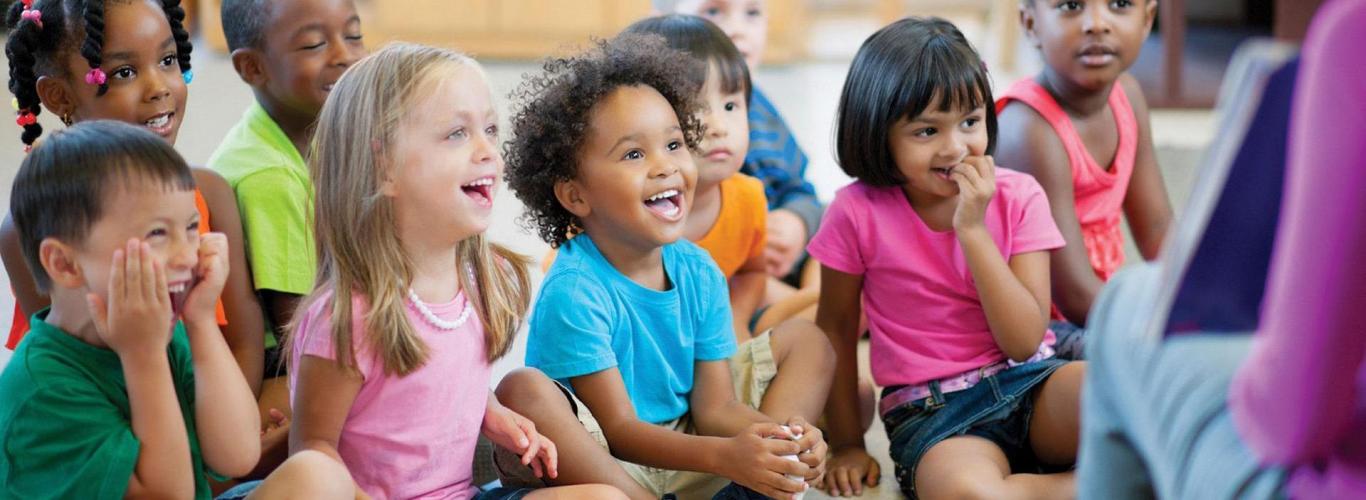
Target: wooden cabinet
(519,29)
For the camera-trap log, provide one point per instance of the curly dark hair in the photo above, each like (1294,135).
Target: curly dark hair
(35,50)
(551,120)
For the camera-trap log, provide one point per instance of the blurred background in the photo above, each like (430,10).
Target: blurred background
(811,43)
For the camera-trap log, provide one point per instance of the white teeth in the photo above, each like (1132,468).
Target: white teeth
(487,181)
(176,288)
(159,121)
(667,194)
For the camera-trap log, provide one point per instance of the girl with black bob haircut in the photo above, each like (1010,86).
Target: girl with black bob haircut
(891,80)
(948,257)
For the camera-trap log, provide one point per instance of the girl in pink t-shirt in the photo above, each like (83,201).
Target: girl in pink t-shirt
(389,357)
(948,257)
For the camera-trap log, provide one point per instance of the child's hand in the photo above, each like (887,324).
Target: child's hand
(976,178)
(516,433)
(210,275)
(812,443)
(276,421)
(784,241)
(275,431)
(850,469)
(759,464)
(137,319)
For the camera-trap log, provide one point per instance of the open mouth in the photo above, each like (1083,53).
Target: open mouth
(668,204)
(179,292)
(481,191)
(945,173)
(161,124)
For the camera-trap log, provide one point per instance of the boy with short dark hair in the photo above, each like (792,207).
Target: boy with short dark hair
(290,53)
(101,395)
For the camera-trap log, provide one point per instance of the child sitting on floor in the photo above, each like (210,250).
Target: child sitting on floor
(125,386)
(633,321)
(1081,128)
(948,257)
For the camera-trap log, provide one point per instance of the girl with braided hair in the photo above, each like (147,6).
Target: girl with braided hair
(129,61)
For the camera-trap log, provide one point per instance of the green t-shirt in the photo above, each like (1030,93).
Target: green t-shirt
(275,198)
(65,426)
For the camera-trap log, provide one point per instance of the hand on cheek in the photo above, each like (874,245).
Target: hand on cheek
(134,319)
(210,275)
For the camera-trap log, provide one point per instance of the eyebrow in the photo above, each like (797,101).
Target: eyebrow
(128,55)
(318,26)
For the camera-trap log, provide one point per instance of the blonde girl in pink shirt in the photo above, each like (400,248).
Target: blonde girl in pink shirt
(390,352)
(948,257)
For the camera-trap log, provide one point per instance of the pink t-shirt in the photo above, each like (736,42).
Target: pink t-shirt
(411,436)
(926,319)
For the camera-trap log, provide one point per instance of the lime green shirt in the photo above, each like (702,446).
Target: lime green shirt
(65,424)
(275,198)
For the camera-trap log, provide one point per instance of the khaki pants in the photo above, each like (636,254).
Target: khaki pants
(752,368)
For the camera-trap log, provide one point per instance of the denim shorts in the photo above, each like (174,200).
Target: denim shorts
(503,494)
(242,491)
(998,409)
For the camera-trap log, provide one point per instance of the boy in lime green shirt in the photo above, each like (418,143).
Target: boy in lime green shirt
(101,396)
(290,53)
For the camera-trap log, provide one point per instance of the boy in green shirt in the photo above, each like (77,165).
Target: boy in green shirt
(101,398)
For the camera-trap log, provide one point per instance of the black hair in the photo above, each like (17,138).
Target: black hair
(244,22)
(35,51)
(62,186)
(703,40)
(551,121)
(896,74)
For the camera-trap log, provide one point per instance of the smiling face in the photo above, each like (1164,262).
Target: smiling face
(446,156)
(1089,42)
(744,21)
(726,140)
(161,215)
(636,175)
(145,84)
(927,147)
(307,46)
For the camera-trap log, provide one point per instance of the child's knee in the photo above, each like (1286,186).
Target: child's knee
(596,492)
(525,388)
(310,474)
(802,338)
(960,487)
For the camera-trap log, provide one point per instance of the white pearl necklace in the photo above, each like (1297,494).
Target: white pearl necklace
(433,319)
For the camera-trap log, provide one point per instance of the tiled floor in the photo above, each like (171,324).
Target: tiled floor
(806,93)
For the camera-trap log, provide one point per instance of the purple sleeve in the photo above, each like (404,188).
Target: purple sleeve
(1293,398)
(836,243)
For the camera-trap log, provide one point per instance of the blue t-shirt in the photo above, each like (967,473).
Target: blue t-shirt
(589,317)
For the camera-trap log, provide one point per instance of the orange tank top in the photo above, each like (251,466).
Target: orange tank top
(20,325)
(1099,192)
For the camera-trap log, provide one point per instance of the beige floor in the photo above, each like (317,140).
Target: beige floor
(806,93)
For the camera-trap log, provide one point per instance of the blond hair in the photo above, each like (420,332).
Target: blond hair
(354,224)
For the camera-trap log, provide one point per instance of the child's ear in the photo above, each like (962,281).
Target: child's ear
(57,95)
(1150,10)
(570,195)
(249,66)
(1027,22)
(59,261)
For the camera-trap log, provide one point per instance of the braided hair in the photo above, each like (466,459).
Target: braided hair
(35,47)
